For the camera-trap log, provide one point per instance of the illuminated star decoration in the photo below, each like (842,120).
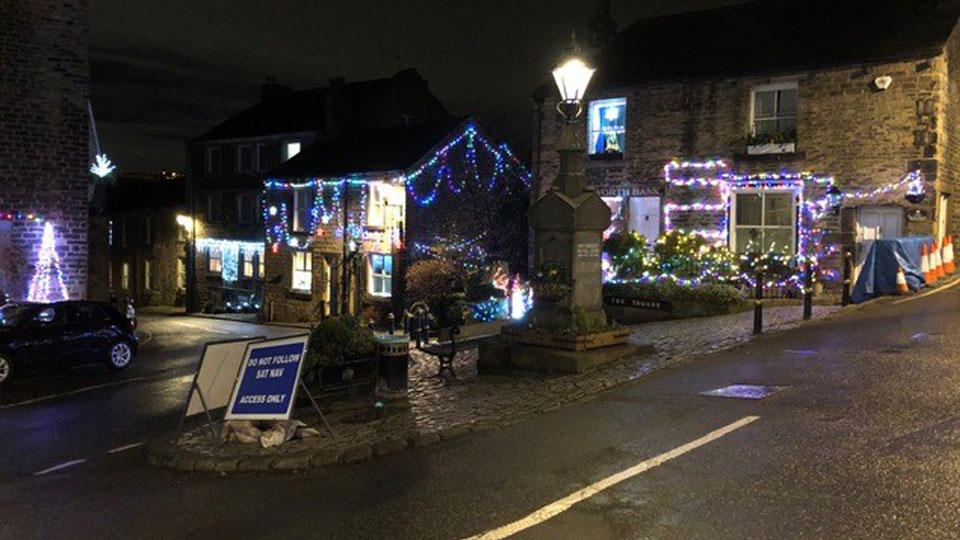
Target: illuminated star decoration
(102,166)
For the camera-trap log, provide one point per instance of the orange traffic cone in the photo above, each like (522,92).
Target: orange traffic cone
(928,276)
(936,265)
(948,255)
(901,281)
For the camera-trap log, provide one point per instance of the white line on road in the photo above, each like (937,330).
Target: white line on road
(204,328)
(60,466)
(555,508)
(928,293)
(124,448)
(89,388)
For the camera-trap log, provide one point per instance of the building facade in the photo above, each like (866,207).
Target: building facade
(44,148)
(864,97)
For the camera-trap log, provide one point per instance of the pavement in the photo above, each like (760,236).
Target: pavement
(438,408)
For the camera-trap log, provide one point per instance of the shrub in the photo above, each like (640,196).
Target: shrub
(336,338)
(713,297)
(431,279)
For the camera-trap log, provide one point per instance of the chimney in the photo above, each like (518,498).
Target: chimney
(271,89)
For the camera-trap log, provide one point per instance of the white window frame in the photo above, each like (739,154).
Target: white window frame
(246,263)
(214,160)
(298,224)
(261,264)
(794,194)
(264,163)
(593,133)
(773,87)
(385,278)
(302,273)
(211,267)
(240,149)
(289,145)
(380,211)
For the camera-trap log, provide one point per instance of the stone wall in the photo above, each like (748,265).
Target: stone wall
(44,79)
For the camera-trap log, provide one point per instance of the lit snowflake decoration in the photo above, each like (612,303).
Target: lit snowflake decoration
(102,167)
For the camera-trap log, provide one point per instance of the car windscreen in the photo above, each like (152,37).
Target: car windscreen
(12,315)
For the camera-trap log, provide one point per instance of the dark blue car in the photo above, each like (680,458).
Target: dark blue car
(51,336)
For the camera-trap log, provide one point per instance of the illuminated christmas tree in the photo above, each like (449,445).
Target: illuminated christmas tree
(47,283)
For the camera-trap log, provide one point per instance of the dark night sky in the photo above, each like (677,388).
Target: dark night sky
(163,72)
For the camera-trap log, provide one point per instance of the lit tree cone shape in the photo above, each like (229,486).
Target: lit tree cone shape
(47,282)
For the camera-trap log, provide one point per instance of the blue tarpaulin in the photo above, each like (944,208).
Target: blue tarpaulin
(878,275)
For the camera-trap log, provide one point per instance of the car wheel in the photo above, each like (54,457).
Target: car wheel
(6,368)
(119,355)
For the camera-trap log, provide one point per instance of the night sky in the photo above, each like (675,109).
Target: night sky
(163,72)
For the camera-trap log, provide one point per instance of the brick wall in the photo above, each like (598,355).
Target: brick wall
(44,78)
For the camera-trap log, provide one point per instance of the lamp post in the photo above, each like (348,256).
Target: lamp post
(572,77)
(187,223)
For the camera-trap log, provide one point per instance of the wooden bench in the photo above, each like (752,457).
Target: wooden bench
(445,349)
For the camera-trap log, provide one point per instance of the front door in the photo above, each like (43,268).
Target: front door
(645,217)
(876,223)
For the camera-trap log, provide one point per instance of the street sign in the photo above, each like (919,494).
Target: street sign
(268,378)
(213,382)
(624,301)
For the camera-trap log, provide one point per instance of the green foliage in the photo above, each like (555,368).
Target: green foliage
(690,256)
(629,254)
(336,338)
(551,282)
(431,279)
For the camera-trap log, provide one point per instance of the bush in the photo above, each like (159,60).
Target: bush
(629,254)
(714,298)
(337,338)
(430,280)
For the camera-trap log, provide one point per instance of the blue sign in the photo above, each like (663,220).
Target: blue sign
(268,379)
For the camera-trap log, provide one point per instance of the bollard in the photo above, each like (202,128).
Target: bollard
(393,322)
(808,291)
(847,271)
(758,306)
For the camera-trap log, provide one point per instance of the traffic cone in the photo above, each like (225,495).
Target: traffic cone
(936,265)
(928,276)
(902,287)
(948,255)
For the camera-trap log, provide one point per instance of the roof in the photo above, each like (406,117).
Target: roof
(297,111)
(132,193)
(776,36)
(390,150)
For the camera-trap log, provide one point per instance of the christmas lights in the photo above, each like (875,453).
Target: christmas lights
(47,283)
(102,166)
(21,216)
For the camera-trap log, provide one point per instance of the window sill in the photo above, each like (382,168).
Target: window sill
(771,148)
(606,156)
(299,295)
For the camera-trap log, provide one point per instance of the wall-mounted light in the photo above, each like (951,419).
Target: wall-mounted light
(883,82)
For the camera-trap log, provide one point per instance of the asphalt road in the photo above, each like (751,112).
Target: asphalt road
(860,440)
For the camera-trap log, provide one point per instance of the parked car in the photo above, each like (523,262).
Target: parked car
(50,336)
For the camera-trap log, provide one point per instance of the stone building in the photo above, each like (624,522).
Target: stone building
(147,244)
(44,160)
(228,164)
(864,95)
(345,217)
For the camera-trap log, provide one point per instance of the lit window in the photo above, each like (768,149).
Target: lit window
(245,158)
(607,121)
(381,272)
(125,276)
(181,274)
(764,221)
(214,160)
(302,208)
(774,114)
(261,157)
(386,204)
(302,271)
(291,149)
(214,260)
(147,278)
(246,264)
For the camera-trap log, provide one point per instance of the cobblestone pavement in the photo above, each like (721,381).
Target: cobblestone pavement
(436,408)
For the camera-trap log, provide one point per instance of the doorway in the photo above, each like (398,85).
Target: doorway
(875,223)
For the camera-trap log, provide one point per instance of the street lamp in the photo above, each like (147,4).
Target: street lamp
(834,199)
(572,77)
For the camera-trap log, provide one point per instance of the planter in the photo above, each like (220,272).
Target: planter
(771,148)
(571,342)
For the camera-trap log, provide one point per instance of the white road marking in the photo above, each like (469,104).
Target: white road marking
(124,448)
(89,388)
(928,293)
(555,508)
(203,328)
(60,466)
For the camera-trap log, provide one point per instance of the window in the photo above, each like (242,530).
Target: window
(244,158)
(381,270)
(214,260)
(302,271)
(148,230)
(291,149)
(147,277)
(386,204)
(246,208)
(261,157)
(246,264)
(261,266)
(764,221)
(302,208)
(774,113)
(607,121)
(125,276)
(214,160)
(214,207)
(181,274)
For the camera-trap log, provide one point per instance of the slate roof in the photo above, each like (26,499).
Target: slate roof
(776,36)
(296,110)
(389,150)
(135,192)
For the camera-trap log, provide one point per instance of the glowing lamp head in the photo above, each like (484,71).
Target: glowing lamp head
(572,77)
(185,222)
